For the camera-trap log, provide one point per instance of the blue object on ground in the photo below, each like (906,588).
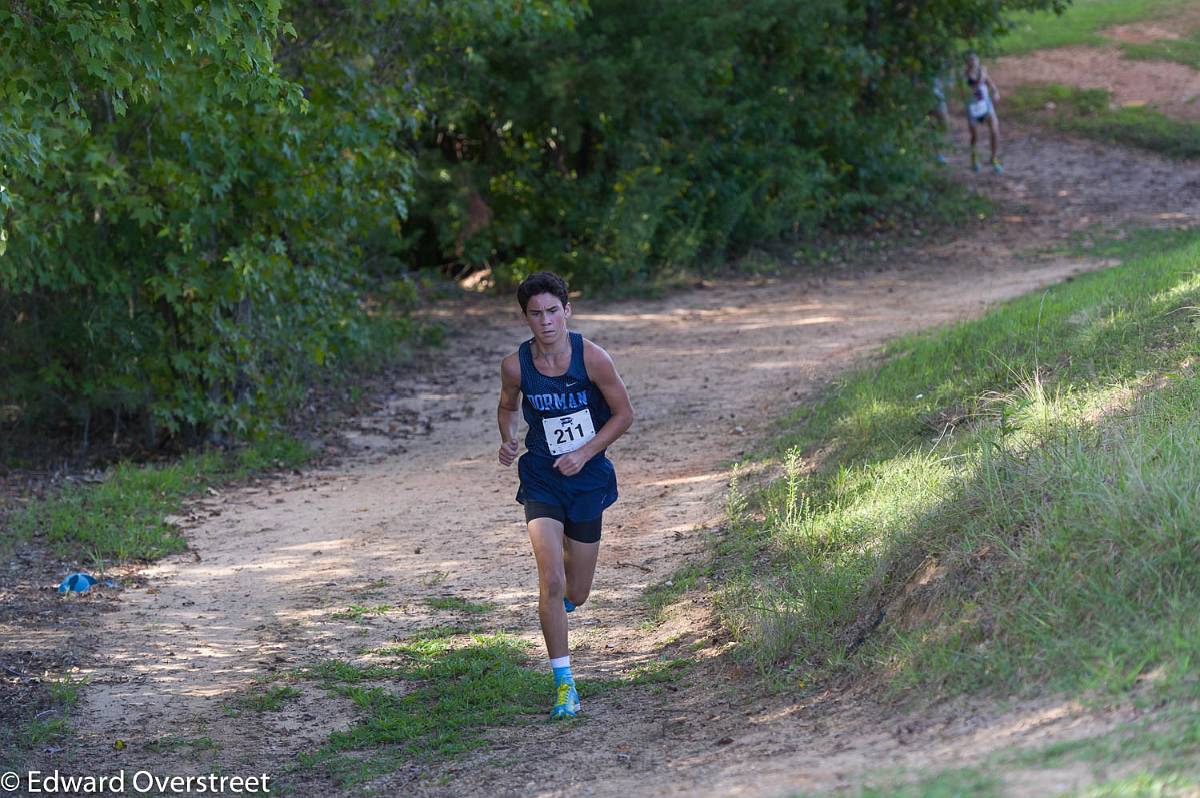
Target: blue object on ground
(77,583)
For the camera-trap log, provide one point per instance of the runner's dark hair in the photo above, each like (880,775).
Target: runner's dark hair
(541,283)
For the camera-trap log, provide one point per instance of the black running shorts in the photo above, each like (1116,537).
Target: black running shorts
(581,531)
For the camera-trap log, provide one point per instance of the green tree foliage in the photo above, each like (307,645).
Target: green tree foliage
(663,133)
(194,194)
(195,197)
(111,278)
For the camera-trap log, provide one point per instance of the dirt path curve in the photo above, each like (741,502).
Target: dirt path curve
(1170,87)
(422,510)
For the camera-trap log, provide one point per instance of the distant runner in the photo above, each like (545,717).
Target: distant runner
(575,405)
(981,107)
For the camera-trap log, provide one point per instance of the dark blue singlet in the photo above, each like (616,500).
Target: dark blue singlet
(583,496)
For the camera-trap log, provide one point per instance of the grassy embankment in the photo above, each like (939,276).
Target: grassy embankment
(1035,469)
(1008,504)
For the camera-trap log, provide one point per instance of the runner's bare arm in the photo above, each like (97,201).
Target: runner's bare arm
(508,411)
(995,93)
(604,374)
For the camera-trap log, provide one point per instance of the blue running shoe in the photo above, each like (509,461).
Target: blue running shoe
(567,703)
(996,167)
(567,605)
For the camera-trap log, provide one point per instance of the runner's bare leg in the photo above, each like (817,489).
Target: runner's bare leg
(547,537)
(994,133)
(580,561)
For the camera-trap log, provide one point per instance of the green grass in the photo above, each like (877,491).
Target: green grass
(272,451)
(659,671)
(46,720)
(125,517)
(359,612)
(659,597)
(1086,112)
(41,732)
(1184,51)
(1080,24)
(373,586)
(458,689)
(1143,785)
(434,632)
(457,604)
(1170,742)
(65,692)
(271,700)
(1017,494)
(439,694)
(959,783)
(1156,758)
(1172,739)
(174,742)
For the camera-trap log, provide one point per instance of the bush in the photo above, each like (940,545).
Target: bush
(197,198)
(652,136)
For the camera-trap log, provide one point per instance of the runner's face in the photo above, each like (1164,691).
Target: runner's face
(547,318)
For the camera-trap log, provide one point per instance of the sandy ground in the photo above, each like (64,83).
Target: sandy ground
(1172,88)
(1169,87)
(421,509)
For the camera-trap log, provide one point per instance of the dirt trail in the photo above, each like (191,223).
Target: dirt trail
(1170,87)
(422,510)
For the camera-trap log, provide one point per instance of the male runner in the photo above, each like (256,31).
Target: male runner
(575,405)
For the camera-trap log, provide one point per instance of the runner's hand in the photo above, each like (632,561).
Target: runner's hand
(571,464)
(508,452)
